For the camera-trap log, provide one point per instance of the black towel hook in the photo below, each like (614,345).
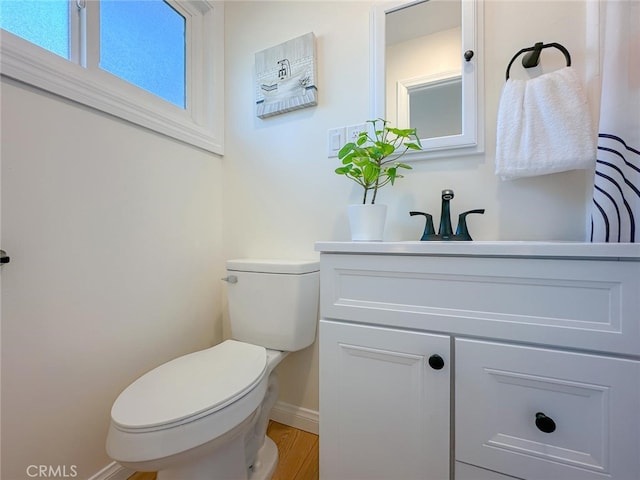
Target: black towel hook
(532,59)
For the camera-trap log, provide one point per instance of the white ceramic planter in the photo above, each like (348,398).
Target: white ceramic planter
(367,222)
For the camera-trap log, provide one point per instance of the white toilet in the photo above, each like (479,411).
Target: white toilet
(204,415)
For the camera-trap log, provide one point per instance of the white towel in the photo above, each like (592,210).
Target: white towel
(544,126)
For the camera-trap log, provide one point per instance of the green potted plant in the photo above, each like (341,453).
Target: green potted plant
(372,162)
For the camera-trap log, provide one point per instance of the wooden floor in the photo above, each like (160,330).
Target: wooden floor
(298,452)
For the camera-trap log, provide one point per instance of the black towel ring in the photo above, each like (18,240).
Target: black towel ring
(532,59)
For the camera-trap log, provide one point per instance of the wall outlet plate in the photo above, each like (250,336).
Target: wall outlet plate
(353,131)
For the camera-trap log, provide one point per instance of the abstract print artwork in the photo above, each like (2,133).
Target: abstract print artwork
(286,77)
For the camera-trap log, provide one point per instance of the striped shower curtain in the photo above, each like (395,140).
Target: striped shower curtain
(615,214)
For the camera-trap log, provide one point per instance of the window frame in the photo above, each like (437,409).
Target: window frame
(80,79)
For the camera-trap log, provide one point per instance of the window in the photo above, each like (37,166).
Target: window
(132,59)
(44,23)
(149,53)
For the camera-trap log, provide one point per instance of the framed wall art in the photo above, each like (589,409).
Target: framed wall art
(286,77)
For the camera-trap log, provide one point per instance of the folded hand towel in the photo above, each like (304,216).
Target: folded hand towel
(544,126)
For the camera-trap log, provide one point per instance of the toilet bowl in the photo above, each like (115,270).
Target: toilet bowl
(204,415)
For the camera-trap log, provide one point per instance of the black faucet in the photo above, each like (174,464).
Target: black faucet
(445,232)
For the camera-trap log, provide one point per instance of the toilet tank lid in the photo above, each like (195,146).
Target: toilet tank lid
(295,267)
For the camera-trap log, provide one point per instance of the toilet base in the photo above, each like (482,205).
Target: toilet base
(266,461)
(228,464)
(228,457)
(224,462)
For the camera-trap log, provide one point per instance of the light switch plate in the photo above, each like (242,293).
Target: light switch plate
(335,141)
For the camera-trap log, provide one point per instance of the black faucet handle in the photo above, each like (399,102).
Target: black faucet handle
(462,232)
(428,228)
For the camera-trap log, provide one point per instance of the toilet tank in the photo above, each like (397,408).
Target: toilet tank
(274,303)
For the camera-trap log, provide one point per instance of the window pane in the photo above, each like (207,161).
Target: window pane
(143,42)
(43,22)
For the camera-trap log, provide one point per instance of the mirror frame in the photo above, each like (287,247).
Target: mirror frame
(471,140)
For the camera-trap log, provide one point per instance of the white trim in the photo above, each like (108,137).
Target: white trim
(294,416)
(113,471)
(403,110)
(201,124)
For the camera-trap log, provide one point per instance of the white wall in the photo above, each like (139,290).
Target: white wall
(118,236)
(116,254)
(281,192)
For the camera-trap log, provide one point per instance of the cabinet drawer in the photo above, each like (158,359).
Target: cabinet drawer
(590,406)
(464,471)
(583,304)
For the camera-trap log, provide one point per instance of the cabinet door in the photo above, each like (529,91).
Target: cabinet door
(384,410)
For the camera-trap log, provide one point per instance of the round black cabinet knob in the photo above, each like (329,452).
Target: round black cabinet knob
(545,424)
(436,362)
(468,55)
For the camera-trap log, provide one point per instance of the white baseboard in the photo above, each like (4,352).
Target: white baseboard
(113,471)
(294,416)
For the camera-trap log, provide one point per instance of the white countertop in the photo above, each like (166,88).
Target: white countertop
(610,251)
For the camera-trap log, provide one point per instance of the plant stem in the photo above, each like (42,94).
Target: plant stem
(375,192)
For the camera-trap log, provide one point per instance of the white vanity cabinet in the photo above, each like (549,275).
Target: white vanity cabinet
(479,361)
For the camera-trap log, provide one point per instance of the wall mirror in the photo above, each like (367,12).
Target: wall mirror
(426,72)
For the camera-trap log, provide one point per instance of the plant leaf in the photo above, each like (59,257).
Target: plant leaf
(391,173)
(362,160)
(348,158)
(370,173)
(386,148)
(346,149)
(356,172)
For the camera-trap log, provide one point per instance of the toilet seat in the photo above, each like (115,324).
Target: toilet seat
(190,387)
